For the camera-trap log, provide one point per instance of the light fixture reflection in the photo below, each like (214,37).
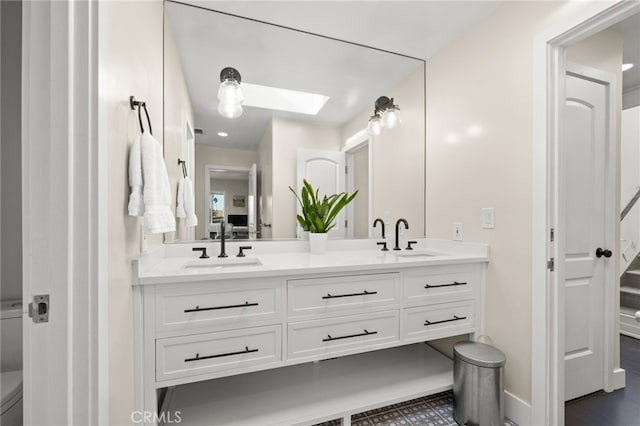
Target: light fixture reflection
(230,93)
(385,114)
(374,127)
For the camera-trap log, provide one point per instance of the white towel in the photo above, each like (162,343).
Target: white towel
(186,207)
(150,193)
(180,212)
(190,202)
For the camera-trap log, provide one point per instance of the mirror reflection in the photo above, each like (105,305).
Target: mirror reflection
(307,102)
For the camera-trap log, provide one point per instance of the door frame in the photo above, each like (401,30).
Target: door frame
(64,174)
(207,187)
(547,364)
(353,144)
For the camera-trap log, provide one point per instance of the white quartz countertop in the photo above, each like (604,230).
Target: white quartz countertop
(172,264)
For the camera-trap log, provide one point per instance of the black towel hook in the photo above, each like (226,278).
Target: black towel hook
(184,167)
(133,103)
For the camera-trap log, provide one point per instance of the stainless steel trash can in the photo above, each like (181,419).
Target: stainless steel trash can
(477,384)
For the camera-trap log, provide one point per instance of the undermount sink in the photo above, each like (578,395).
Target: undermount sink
(417,255)
(222,263)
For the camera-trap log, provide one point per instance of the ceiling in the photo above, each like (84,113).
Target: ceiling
(630,29)
(352,75)
(416,29)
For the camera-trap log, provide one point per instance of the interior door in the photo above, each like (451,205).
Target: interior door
(325,170)
(583,192)
(252,201)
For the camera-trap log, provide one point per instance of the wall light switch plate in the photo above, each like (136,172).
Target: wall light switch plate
(457,231)
(487,218)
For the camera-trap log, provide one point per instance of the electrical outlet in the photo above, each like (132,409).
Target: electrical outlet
(487,218)
(457,231)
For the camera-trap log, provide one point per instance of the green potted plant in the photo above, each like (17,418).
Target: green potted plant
(318,214)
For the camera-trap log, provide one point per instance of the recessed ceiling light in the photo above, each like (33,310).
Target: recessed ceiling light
(223,134)
(282,99)
(626,67)
(218,171)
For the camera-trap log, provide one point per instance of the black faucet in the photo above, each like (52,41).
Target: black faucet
(406,226)
(222,240)
(381,223)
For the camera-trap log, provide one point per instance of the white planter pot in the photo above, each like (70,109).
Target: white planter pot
(317,243)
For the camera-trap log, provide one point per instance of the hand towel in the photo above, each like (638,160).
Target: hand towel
(148,174)
(190,202)
(180,212)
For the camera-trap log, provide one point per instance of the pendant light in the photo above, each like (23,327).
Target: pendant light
(230,93)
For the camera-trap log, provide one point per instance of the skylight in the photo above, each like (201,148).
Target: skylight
(282,99)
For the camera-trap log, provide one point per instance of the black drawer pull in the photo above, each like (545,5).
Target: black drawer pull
(455,318)
(198,357)
(365,293)
(213,308)
(444,285)
(366,333)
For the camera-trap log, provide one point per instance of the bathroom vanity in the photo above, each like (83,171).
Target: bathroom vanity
(285,337)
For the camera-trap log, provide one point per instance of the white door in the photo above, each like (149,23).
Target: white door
(583,190)
(325,170)
(252,201)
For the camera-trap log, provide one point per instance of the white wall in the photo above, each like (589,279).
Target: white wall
(288,136)
(479,126)
(177,112)
(230,188)
(630,179)
(399,156)
(10,150)
(130,63)
(208,156)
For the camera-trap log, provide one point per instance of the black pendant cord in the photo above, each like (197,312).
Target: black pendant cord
(133,103)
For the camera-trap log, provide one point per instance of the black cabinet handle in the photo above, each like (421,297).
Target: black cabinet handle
(366,333)
(444,285)
(455,318)
(213,308)
(198,357)
(365,293)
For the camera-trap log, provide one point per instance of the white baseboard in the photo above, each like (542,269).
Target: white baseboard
(516,409)
(619,378)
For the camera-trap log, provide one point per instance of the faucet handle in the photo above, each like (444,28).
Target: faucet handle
(240,253)
(409,245)
(203,250)
(384,245)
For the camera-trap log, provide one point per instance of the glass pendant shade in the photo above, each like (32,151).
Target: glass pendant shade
(229,110)
(230,92)
(374,127)
(390,118)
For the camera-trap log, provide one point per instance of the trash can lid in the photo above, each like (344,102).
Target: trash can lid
(479,354)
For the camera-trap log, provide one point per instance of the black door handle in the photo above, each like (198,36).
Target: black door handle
(600,252)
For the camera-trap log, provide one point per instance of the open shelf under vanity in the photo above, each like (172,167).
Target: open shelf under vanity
(313,392)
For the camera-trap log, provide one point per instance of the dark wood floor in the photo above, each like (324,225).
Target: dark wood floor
(618,408)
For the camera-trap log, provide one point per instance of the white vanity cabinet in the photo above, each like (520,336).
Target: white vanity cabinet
(267,329)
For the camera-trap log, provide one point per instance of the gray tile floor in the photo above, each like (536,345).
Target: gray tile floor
(433,410)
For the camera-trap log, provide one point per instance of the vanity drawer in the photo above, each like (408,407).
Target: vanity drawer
(219,305)
(336,336)
(188,356)
(356,293)
(437,321)
(438,284)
